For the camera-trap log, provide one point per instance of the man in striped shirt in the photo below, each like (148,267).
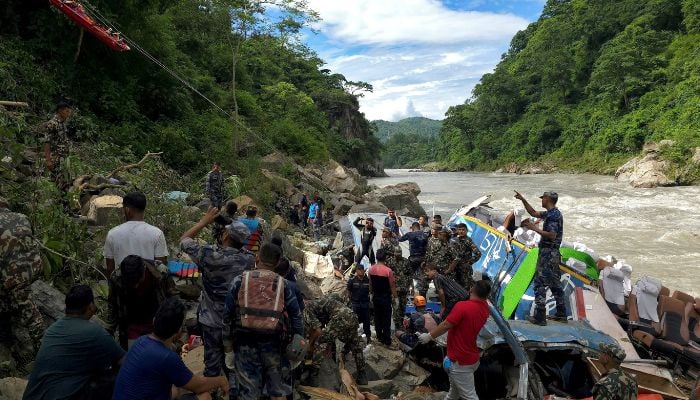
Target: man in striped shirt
(449,291)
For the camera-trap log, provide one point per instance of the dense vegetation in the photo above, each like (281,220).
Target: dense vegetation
(408,143)
(420,126)
(273,91)
(252,65)
(584,87)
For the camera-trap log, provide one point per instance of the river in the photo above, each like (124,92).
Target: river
(654,230)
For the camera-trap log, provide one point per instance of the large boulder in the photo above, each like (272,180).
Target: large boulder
(402,197)
(280,184)
(366,208)
(341,179)
(645,172)
(343,202)
(410,376)
(382,362)
(105,210)
(50,301)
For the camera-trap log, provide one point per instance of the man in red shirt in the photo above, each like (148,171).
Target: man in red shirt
(462,326)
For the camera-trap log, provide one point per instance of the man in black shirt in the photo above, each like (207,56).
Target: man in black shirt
(358,291)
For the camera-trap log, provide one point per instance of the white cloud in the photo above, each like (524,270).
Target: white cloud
(420,56)
(411,21)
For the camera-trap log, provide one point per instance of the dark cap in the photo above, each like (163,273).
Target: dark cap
(552,195)
(359,266)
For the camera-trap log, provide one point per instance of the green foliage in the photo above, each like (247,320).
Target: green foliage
(420,126)
(584,87)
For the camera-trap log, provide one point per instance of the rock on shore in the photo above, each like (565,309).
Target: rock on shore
(652,169)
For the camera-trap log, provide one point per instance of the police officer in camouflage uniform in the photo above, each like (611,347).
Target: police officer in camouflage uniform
(259,357)
(439,253)
(549,258)
(55,146)
(215,185)
(464,254)
(328,319)
(219,264)
(402,273)
(20,265)
(615,384)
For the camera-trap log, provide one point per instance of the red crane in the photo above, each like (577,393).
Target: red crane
(76,12)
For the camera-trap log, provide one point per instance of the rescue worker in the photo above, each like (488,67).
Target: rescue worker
(393,222)
(20,266)
(368,233)
(328,319)
(403,278)
(417,245)
(549,258)
(424,225)
(449,292)
(464,254)
(615,384)
(55,145)
(440,253)
(358,291)
(219,265)
(257,328)
(215,185)
(420,321)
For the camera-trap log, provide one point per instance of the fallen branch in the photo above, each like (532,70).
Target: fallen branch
(13,103)
(87,186)
(65,257)
(321,393)
(132,166)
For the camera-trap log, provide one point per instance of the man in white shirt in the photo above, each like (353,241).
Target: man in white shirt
(135,236)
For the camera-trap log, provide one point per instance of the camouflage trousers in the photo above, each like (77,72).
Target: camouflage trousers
(214,357)
(464,275)
(548,276)
(58,174)
(418,274)
(17,310)
(402,294)
(262,370)
(343,326)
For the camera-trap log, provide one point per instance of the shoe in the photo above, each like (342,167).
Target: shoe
(559,318)
(361,378)
(536,321)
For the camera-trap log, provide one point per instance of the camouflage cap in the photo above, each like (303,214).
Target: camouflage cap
(613,351)
(237,230)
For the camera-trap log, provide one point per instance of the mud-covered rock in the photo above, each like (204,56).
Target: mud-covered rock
(105,210)
(383,362)
(12,388)
(383,388)
(402,197)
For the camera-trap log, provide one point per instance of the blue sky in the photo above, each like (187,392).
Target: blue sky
(421,56)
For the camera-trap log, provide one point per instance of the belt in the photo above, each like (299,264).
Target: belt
(549,246)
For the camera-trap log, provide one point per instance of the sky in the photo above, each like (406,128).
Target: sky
(421,56)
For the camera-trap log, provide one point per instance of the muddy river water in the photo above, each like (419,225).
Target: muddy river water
(657,231)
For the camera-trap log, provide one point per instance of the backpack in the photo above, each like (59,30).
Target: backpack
(261,302)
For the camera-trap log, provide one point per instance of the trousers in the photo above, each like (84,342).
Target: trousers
(462,382)
(382,322)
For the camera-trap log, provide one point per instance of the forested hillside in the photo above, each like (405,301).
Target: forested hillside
(584,87)
(420,126)
(275,90)
(408,143)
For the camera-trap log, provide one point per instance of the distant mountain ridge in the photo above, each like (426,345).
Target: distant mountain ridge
(420,126)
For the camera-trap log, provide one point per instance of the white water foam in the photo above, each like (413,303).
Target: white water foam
(655,230)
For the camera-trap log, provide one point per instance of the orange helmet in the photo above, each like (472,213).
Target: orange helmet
(419,301)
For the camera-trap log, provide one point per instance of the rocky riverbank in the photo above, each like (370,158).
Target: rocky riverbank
(666,163)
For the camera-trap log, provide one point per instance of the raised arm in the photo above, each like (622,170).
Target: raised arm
(527,205)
